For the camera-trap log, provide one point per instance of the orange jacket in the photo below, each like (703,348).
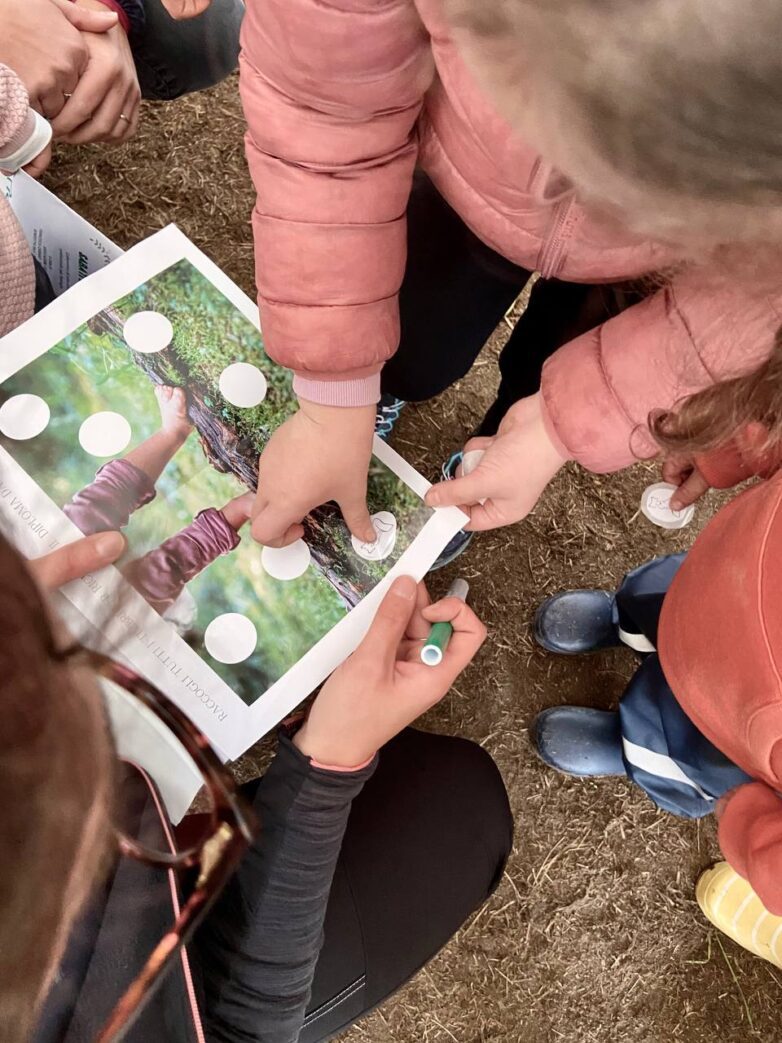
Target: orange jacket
(720,645)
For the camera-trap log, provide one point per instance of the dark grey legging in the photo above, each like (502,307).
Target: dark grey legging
(176,57)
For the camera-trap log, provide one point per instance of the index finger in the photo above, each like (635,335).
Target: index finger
(418,628)
(274,527)
(77,559)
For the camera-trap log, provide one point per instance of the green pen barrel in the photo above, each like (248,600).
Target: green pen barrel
(433,651)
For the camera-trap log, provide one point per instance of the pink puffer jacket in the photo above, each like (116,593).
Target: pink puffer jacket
(343,98)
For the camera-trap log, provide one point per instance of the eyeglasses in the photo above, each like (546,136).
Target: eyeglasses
(216,838)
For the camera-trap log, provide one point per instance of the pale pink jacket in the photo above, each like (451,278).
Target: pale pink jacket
(343,98)
(17,275)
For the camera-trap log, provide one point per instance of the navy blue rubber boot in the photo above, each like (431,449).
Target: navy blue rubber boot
(462,540)
(388,412)
(579,741)
(577,621)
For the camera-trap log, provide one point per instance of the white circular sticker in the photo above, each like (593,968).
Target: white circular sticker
(286,563)
(104,434)
(147,332)
(384,524)
(470,461)
(231,638)
(23,417)
(656,506)
(243,385)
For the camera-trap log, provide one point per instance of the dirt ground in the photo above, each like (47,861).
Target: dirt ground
(594,935)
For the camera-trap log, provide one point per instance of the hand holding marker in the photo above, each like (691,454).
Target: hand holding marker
(435,645)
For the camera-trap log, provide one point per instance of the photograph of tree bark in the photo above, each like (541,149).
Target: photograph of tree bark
(141,436)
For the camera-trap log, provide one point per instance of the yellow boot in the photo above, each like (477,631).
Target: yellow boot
(728,901)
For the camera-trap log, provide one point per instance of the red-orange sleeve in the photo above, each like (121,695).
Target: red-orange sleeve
(750,834)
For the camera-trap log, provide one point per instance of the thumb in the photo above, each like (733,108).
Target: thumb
(469,489)
(357,519)
(87,20)
(391,621)
(690,490)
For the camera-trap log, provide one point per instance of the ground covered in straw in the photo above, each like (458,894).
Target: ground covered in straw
(594,935)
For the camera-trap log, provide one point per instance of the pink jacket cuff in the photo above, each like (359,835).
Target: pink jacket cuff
(361,391)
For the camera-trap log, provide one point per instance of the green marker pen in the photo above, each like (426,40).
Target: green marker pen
(434,648)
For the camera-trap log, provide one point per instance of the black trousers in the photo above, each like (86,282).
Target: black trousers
(426,844)
(454,294)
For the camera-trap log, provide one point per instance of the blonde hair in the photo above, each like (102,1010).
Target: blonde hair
(667,111)
(709,418)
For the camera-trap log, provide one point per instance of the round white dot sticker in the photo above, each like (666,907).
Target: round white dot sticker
(148,332)
(656,506)
(104,434)
(243,385)
(23,416)
(231,638)
(286,562)
(384,524)
(470,461)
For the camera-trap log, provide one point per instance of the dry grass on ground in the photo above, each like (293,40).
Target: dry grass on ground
(594,935)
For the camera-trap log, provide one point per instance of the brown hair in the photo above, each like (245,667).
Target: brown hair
(711,417)
(54,771)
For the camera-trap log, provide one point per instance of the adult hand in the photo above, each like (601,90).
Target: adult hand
(45,43)
(384,685)
(681,471)
(77,559)
(518,463)
(181,9)
(105,103)
(321,453)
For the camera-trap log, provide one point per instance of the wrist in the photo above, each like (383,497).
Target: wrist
(330,756)
(33,137)
(344,416)
(558,447)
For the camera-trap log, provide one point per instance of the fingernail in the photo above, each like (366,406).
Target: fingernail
(404,587)
(432,497)
(110,545)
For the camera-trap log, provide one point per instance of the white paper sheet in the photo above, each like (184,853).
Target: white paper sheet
(66,245)
(34,516)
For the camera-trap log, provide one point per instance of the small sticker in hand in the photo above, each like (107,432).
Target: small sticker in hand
(656,506)
(384,524)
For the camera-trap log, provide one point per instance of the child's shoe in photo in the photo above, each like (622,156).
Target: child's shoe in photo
(577,621)
(579,741)
(728,902)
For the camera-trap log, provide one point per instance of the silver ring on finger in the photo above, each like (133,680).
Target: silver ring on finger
(122,116)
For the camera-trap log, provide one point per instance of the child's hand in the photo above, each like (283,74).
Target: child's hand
(321,453)
(384,685)
(681,471)
(518,463)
